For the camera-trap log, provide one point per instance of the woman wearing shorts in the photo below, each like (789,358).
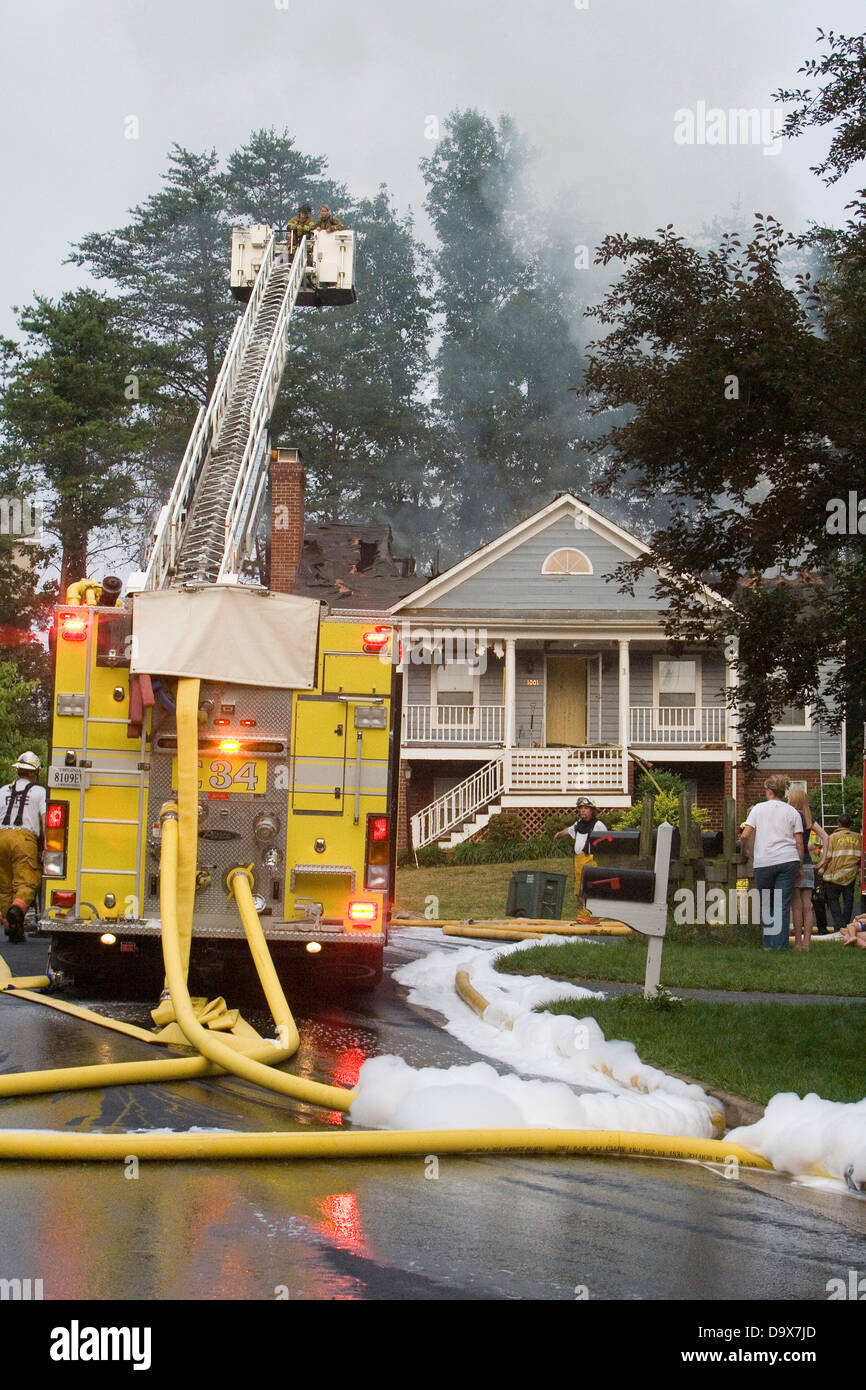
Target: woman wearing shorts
(801,902)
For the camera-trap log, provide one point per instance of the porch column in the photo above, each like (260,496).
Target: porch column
(732,681)
(624,699)
(510,693)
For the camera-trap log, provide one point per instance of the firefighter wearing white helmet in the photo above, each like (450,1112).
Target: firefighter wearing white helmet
(22,829)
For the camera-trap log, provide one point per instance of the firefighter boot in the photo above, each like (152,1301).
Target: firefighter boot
(15,923)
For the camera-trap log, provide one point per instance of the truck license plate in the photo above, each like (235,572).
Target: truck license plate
(64,777)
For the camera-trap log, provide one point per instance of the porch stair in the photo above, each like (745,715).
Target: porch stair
(474,800)
(471,827)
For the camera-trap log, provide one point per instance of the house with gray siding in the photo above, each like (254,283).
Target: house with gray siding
(530,679)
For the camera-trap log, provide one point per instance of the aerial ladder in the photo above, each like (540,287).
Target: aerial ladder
(207,529)
(295,709)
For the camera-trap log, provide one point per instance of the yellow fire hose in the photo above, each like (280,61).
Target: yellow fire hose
(256,1063)
(331,1144)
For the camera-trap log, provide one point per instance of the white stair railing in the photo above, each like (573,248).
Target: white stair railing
(457,805)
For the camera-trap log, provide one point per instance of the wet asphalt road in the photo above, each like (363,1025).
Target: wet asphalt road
(484,1229)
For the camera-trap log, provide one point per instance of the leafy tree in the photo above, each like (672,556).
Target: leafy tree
(15,697)
(268,178)
(839,102)
(352,395)
(352,391)
(170,264)
(742,396)
(70,434)
(506,359)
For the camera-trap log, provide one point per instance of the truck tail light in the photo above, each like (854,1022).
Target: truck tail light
(377,860)
(376,639)
(56,839)
(73,628)
(363,914)
(62,897)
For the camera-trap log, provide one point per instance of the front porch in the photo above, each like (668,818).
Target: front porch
(472,690)
(483,726)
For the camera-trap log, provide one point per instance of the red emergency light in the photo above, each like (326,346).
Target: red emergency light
(363,914)
(56,839)
(62,897)
(73,628)
(376,639)
(377,827)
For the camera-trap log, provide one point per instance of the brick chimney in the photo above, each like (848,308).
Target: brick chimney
(287,518)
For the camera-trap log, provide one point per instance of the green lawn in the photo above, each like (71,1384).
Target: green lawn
(693,960)
(752,1050)
(474,890)
(828,968)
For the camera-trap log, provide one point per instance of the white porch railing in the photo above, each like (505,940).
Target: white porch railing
(482,724)
(457,805)
(532,771)
(564,770)
(678,724)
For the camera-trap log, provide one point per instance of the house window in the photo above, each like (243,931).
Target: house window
(454,684)
(794,717)
(455,694)
(676,693)
(565,562)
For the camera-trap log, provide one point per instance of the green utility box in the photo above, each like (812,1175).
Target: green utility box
(532,893)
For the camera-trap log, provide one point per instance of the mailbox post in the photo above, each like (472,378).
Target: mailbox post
(649,917)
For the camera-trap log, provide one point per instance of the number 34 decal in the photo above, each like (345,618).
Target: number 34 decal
(224,775)
(230,775)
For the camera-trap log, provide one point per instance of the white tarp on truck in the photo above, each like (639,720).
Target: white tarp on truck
(236,635)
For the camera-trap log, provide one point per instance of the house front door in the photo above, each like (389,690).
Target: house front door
(566,701)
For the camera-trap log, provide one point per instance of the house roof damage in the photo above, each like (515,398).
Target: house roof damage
(351,565)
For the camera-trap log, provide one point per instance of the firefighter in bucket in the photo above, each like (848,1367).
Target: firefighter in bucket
(586,825)
(22,830)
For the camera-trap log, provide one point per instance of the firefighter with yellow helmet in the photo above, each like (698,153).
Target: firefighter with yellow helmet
(22,829)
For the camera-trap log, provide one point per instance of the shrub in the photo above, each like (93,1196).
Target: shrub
(489,852)
(505,828)
(558,821)
(665,807)
(431,857)
(668,781)
(833,800)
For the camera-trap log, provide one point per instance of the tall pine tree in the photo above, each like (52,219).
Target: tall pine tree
(507,360)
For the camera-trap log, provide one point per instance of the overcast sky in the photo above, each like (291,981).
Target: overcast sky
(594,84)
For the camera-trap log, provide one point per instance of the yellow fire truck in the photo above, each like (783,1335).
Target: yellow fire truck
(296,714)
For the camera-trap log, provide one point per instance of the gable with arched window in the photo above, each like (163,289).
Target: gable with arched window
(567,561)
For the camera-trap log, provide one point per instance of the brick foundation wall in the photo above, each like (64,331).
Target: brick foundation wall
(287,518)
(750,785)
(713,783)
